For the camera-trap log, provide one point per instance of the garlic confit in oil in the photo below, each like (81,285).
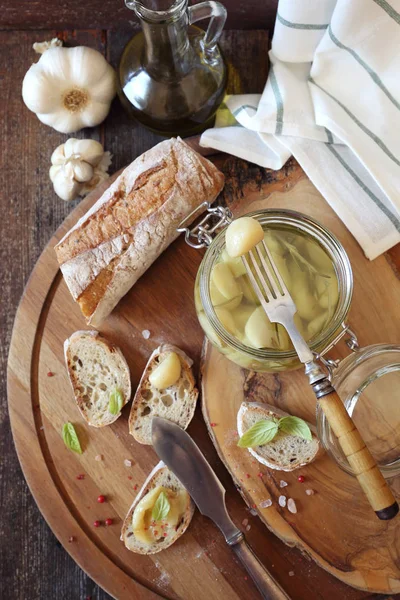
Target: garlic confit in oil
(69,88)
(77,167)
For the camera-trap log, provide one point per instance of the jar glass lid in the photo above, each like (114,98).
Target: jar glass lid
(368,382)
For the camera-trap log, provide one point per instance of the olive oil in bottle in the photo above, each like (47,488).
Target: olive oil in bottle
(171,75)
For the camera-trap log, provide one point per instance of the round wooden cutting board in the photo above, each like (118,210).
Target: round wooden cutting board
(335,525)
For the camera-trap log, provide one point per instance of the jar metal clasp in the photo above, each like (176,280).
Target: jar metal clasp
(201,235)
(351,342)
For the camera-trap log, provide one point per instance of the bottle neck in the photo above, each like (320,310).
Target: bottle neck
(167,48)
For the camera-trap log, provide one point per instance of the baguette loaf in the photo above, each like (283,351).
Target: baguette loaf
(176,403)
(96,368)
(160,476)
(132,223)
(286,452)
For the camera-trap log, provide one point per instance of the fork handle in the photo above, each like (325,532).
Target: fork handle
(360,459)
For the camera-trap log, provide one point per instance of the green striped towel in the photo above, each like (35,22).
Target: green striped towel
(332,100)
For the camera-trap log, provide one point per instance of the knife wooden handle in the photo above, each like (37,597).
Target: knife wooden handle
(360,459)
(266,584)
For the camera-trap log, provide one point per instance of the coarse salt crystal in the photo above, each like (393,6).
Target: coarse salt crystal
(282,483)
(146,334)
(98,457)
(253,512)
(127,462)
(266,503)
(310,492)
(291,573)
(282,501)
(292,506)
(245,522)
(248,527)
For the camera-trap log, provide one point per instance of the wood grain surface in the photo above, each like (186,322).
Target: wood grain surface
(113,14)
(336,526)
(161,301)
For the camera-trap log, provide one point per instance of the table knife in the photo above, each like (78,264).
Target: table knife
(182,456)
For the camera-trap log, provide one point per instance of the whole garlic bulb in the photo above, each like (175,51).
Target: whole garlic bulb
(77,167)
(70,88)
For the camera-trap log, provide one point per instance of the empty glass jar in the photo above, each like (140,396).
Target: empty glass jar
(368,382)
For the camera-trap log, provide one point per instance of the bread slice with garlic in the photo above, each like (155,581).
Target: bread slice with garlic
(99,375)
(142,532)
(167,389)
(285,452)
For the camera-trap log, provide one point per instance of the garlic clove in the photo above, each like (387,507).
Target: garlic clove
(69,147)
(102,89)
(58,156)
(98,178)
(36,93)
(65,186)
(89,67)
(54,169)
(62,120)
(56,66)
(90,151)
(91,118)
(82,171)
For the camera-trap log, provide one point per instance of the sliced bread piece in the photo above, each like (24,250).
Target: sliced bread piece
(286,452)
(176,403)
(96,368)
(160,476)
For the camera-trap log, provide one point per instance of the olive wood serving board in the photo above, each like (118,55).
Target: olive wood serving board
(199,564)
(336,526)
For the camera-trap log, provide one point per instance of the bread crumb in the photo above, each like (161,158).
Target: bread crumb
(98,457)
(291,573)
(266,503)
(127,462)
(310,492)
(282,501)
(248,527)
(245,522)
(146,334)
(292,506)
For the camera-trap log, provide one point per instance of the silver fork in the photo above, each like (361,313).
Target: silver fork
(280,308)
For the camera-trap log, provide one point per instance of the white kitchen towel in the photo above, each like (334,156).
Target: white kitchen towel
(332,99)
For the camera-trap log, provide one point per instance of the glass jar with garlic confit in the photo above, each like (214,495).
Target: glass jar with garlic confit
(317,272)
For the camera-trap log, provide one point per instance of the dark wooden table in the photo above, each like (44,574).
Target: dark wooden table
(33,565)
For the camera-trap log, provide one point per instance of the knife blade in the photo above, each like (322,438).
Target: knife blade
(183,457)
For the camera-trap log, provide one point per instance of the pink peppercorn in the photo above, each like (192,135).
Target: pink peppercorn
(97,523)
(301,478)
(101,499)
(109,522)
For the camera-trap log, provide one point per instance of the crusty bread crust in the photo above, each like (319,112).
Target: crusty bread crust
(266,410)
(76,384)
(160,475)
(140,425)
(132,223)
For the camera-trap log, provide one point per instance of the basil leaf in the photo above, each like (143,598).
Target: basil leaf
(70,438)
(161,508)
(295,426)
(259,434)
(116,402)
